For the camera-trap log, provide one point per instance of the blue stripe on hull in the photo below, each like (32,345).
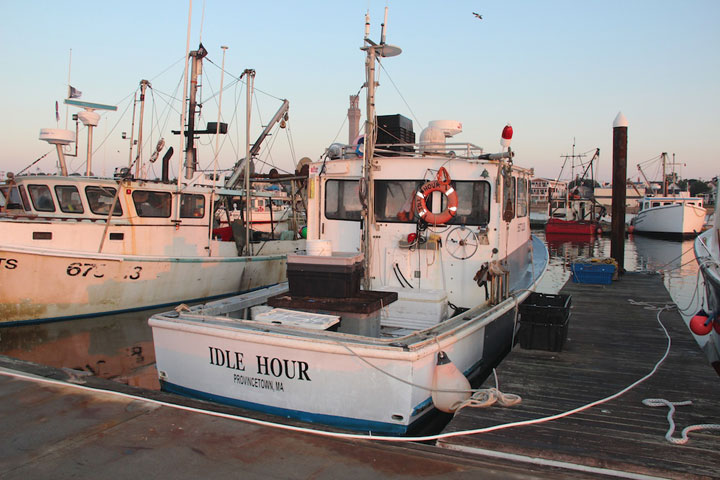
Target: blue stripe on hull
(332,420)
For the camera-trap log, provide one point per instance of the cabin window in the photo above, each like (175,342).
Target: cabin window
(509,198)
(394,201)
(24,197)
(655,204)
(11,196)
(41,198)
(522,197)
(100,198)
(69,199)
(192,206)
(152,204)
(342,200)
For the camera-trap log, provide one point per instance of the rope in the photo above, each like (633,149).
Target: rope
(486,397)
(661,402)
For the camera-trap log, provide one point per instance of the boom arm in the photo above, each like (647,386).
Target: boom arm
(234,179)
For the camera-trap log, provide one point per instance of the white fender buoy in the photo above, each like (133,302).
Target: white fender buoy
(448,377)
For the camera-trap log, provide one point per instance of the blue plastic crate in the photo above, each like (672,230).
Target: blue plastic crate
(595,273)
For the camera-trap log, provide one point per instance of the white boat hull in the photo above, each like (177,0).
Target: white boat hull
(673,220)
(326,380)
(74,284)
(363,383)
(707,253)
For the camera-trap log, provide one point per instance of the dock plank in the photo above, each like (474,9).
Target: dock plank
(611,344)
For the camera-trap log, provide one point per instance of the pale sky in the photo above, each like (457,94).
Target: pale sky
(556,70)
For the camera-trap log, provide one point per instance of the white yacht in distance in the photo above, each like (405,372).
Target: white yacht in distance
(674,213)
(438,236)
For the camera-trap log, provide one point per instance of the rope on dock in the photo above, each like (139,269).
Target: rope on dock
(660,402)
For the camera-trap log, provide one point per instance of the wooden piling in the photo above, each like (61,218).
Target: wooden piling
(617,240)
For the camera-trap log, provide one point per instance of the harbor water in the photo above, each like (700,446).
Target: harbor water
(120,347)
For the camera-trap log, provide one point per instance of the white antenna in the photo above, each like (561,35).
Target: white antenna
(367,24)
(382,29)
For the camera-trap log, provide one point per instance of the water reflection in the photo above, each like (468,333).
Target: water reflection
(116,347)
(120,347)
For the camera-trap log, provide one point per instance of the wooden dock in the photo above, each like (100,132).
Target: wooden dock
(64,431)
(611,344)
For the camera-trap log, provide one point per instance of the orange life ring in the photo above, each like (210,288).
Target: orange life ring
(442,185)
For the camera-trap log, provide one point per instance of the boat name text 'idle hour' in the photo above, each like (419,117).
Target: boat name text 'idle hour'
(277,367)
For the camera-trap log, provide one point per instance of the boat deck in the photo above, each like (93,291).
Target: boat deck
(611,344)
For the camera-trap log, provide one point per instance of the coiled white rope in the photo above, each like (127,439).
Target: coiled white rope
(660,402)
(486,397)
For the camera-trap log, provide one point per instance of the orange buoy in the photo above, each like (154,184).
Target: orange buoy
(442,185)
(701,324)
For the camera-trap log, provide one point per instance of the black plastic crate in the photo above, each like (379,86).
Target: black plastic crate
(545,308)
(393,122)
(543,336)
(335,281)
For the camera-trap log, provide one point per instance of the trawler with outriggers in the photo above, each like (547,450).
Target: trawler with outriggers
(418,255)
(574,210)
(80,245)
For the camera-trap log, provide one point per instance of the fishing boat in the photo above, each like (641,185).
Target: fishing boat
(707,253)
(574,210)
(270,215)
(75,246)
(672,213)
(418,255)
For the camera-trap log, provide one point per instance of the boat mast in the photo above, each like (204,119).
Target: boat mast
(138,159)
(196,71)
(370,163)
(182,115)
(132,132)
(217,151)
(664,176)
(248,197)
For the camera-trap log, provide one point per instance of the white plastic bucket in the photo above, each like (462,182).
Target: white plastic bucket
(319,247)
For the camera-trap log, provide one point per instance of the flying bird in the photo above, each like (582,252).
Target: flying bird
(477,15)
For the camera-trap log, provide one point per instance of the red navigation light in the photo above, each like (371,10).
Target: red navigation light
(507,132)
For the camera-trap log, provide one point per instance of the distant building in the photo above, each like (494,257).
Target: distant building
(539,189)
(633,194)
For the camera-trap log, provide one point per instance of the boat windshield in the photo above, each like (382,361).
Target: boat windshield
(149,203)
(69,199)
(192,206)
(11,197)
(100,199)
(394,201)
(342,200)
(41,198)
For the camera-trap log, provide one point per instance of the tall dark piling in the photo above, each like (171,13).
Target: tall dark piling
(617,238)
